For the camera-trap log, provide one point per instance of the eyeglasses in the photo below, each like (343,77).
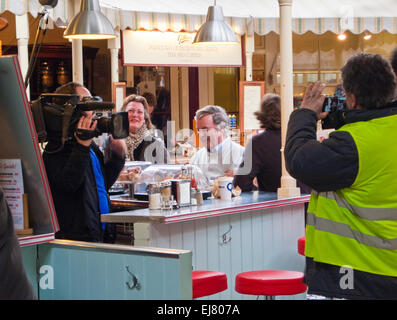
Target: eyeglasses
(205,131)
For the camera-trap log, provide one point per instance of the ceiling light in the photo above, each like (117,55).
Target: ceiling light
(215,29)
(90,23)
(342,36)
(367,36)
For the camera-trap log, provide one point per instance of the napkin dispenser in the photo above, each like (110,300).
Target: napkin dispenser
(180,189)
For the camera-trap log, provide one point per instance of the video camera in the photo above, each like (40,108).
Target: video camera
(56,117)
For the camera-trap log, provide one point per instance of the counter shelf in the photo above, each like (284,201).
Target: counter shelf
(247,201)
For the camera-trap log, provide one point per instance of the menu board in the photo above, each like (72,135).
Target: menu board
(11,181)
(251,94)
(252,101)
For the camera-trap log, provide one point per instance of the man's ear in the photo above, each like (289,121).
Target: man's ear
(353,100)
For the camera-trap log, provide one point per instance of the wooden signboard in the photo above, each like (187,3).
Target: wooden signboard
(118,94)
(251,94)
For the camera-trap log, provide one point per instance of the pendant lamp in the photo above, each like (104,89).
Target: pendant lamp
(215,29)
(90,23)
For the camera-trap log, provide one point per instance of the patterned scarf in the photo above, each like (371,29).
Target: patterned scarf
(135,139)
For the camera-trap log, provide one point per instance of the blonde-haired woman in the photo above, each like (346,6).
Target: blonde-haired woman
(141,144)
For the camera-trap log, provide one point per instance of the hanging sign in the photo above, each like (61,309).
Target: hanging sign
(176,49)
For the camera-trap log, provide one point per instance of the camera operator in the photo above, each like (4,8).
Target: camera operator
(80,177)
(351,249)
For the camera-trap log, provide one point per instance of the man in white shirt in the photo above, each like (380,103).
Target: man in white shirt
(220,156)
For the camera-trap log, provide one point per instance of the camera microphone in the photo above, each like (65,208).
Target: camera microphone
(95,105)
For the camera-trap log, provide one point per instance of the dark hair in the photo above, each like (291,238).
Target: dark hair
(150,98)
(393,60)
(370,78)
(68,88)
(269,115)
(163,100)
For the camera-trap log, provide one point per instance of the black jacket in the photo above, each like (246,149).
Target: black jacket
(328,166)
(264,150)
(74,191)
(157,145)
(14,284)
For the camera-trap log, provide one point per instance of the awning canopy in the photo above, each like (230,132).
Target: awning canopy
(262,16)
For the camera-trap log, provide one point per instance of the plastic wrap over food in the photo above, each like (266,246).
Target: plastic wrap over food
(132,170)
(158,173)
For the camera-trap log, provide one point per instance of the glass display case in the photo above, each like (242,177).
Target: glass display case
(132,188)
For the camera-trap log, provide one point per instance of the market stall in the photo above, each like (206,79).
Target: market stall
(254,231)
(175,206)
(249,231)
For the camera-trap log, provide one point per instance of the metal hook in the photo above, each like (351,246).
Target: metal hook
(135,283)
(224,239)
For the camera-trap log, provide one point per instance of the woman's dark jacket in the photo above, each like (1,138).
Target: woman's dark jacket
(155,145)
(74,191)
(328,166)
(266,163)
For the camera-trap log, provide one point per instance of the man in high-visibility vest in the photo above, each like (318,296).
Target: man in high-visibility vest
(351,223)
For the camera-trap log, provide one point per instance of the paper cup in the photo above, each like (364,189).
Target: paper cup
(225,187)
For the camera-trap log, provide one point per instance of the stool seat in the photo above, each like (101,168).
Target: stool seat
(206,283)
(270,282)
(301,245)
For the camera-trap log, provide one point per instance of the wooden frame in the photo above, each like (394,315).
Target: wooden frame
(243,109)
(118,102)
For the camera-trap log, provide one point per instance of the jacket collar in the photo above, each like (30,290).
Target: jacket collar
(339,118)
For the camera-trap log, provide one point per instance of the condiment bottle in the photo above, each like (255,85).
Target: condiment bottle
(193,196)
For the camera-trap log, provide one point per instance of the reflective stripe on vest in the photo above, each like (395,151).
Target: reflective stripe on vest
(357,226)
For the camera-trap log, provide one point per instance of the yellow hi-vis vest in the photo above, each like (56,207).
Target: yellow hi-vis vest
(356,227)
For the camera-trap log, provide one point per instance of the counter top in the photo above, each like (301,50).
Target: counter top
(173,253)
(247,201)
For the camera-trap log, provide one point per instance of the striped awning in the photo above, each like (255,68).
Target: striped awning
(188,15)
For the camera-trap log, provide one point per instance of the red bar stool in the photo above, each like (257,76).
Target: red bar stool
(301,245)
(270,283)
(206,283)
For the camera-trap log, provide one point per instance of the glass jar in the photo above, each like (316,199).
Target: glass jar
(165,188)
(153,190)
(167,198)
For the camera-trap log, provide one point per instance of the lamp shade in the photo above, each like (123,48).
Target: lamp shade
(90,23)
(215,29)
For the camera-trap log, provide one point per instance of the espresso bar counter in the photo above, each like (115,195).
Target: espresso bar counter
(212,207)
(255,231)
